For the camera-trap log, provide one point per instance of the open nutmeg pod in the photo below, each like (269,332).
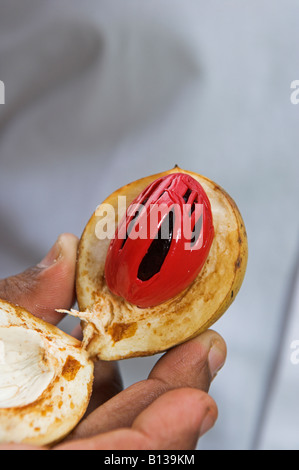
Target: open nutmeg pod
(141,293)
(45,379)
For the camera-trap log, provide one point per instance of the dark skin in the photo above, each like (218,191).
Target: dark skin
(169,410)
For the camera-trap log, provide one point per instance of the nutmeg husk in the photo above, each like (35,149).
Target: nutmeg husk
(46,417)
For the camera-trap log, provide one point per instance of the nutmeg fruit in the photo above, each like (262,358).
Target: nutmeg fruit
(114,328)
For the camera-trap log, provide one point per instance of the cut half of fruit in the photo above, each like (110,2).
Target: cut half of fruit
(116,329)
(45,379)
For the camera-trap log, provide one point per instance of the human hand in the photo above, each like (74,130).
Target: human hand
(169,410)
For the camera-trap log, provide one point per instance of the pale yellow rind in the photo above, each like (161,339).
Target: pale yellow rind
(62,404)
(115,329)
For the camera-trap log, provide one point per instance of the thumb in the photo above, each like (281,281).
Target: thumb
(48,285)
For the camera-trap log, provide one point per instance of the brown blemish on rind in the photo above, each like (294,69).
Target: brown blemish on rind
(238,262)
(70,368)
(119,331)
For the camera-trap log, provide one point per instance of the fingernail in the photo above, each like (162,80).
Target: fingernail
(52,257)
(207,423)
(216,357)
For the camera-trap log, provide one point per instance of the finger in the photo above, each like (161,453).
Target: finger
(107,383)
(193,364)
(107,380)
(48,285)
(175,421)
(20,447)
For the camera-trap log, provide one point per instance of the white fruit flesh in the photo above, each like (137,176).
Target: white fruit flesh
(25,369)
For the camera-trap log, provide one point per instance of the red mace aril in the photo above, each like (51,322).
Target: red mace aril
(162,242)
